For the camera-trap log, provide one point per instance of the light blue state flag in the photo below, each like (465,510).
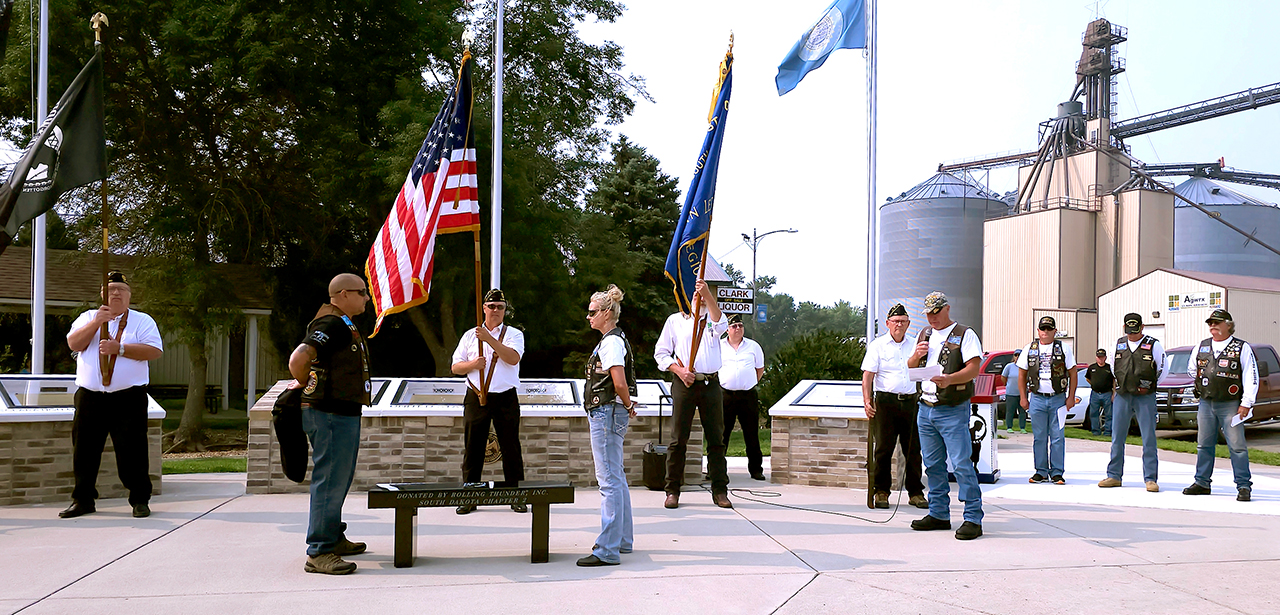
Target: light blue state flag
(843,26)
(693,229)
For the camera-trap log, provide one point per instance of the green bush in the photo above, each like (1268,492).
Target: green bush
(820,355)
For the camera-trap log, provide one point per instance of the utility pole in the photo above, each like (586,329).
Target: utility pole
(753,241)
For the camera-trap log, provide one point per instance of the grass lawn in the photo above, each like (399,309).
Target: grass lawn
(1179,446)
(200,465)
(737,448)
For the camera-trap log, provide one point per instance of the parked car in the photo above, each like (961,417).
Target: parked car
(1176,401)
(1079,410)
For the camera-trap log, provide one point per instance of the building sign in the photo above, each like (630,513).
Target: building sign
(1189,301)
(730,293)
(735,307)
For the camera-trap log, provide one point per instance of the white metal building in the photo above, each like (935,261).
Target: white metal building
(1174,305)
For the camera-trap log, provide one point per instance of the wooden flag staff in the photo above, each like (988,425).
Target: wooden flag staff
(106,366)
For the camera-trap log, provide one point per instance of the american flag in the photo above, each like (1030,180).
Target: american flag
(440,195)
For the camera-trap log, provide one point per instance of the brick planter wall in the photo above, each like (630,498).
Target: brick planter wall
(823,452)
(35,463)
(428,449)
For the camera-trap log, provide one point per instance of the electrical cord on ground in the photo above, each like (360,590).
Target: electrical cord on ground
(760,493)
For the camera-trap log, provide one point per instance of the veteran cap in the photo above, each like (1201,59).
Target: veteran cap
(735,319)
(897,310)
(1102,352)
(934,302)
(116,277)
(1218,316)
(495,294)
(1047,323)
(1132,322)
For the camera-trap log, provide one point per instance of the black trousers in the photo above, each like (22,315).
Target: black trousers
(744,406)
(894,425)
(706,398)
(503,411)
(123,416)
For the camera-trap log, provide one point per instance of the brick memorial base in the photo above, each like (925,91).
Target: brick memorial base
(35,461)
(824,452)
(426,446)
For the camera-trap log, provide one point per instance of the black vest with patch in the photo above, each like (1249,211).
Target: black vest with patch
(1057,370)
(600,389)
(1136,371)
(346,375)
(1220,378)
(952,361)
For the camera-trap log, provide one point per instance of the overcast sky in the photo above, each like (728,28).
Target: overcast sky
(956,80)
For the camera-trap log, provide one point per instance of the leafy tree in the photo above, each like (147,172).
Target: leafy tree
(817,355)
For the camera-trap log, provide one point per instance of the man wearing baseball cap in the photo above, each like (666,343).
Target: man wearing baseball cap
(1226,377)
(1102,383)
(1054,386)
(943,418)
(1138,362)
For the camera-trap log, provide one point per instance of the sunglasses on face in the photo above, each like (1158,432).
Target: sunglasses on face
(359,291)
(1046,328)
(591,313)
(495,306)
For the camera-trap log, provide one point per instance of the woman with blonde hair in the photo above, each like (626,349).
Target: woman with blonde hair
(610,389)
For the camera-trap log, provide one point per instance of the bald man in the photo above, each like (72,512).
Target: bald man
(333,362)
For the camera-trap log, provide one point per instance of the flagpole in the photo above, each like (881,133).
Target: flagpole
(495,238)
(105,366)
(38,231)
(873,260)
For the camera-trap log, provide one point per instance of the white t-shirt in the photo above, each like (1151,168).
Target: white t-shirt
(887,359)
(1045,369)
(738,365)
(612,351)
(141,329)
(505,376)
(970,347)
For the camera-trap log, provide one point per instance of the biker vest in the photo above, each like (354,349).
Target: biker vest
(1136,371)
(952,361)
(600,389)
(1058,368)
(1220,378)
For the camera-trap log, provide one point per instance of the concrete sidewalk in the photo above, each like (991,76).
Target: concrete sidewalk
(209,548)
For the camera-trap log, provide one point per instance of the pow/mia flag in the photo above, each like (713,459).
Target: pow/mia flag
(69,151)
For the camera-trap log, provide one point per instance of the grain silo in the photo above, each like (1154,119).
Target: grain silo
(1203,244)
(931,239)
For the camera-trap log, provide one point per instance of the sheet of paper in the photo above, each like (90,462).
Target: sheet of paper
(1062,417)
(920,374)
(1236,420)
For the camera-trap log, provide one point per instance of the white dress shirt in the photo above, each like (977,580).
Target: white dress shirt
(1248,369)
(738,365)
(141,329)
(970,347)
(505,375)
(1045,368)
(677,338)
(887,359)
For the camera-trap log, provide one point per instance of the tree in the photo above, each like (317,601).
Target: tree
(623,239)
(816,355)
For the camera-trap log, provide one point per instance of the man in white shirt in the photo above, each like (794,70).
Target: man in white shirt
(1137,364)
(497,371)
(943,418)
(892,404)
(695,387)
(1226,377)
(1053,386)
(742,365)
(112,376)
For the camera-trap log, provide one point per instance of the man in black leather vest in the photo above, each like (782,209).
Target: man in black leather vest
(943,417)
(1047,382)
(1138,362)
(1226,377)
(332,366)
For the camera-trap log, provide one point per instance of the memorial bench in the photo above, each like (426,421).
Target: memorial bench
(407,498)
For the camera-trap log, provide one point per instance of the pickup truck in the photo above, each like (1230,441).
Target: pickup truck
(1176,401)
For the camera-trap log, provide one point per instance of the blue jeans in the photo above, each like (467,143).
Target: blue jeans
(608,427)
(1048,444)
(1100,413)
(1144,408)
(1212,417)
(335,443)
(1013,408)
(944,434)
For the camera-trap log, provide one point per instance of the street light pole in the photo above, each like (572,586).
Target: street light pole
(753,242)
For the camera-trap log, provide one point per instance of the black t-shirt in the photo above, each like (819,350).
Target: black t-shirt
(329,334)
(1100,377)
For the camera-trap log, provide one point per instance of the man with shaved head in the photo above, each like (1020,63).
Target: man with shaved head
(332,364)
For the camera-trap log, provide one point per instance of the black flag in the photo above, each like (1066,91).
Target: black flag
(69,151)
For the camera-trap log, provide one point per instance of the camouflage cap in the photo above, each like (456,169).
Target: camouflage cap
(934,302)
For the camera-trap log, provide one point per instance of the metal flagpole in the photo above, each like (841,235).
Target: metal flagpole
(38,231)
(495,237)
(873,260)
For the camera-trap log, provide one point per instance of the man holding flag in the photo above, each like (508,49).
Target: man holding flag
(689,345)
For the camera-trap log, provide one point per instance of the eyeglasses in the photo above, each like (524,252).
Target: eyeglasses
(899,321)
(495,306)
(359,291)
(736,324)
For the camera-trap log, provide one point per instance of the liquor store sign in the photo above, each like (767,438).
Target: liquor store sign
(734,300)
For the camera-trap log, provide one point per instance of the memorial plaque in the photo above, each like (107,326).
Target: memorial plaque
(834,395)
(30,393)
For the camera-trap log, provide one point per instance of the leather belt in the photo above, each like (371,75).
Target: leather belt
(1046,394)
(897,396)
(702,377)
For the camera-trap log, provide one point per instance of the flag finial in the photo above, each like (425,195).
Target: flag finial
(97,22)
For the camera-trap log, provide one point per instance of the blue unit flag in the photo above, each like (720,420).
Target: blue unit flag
(693,229)
(843,26)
